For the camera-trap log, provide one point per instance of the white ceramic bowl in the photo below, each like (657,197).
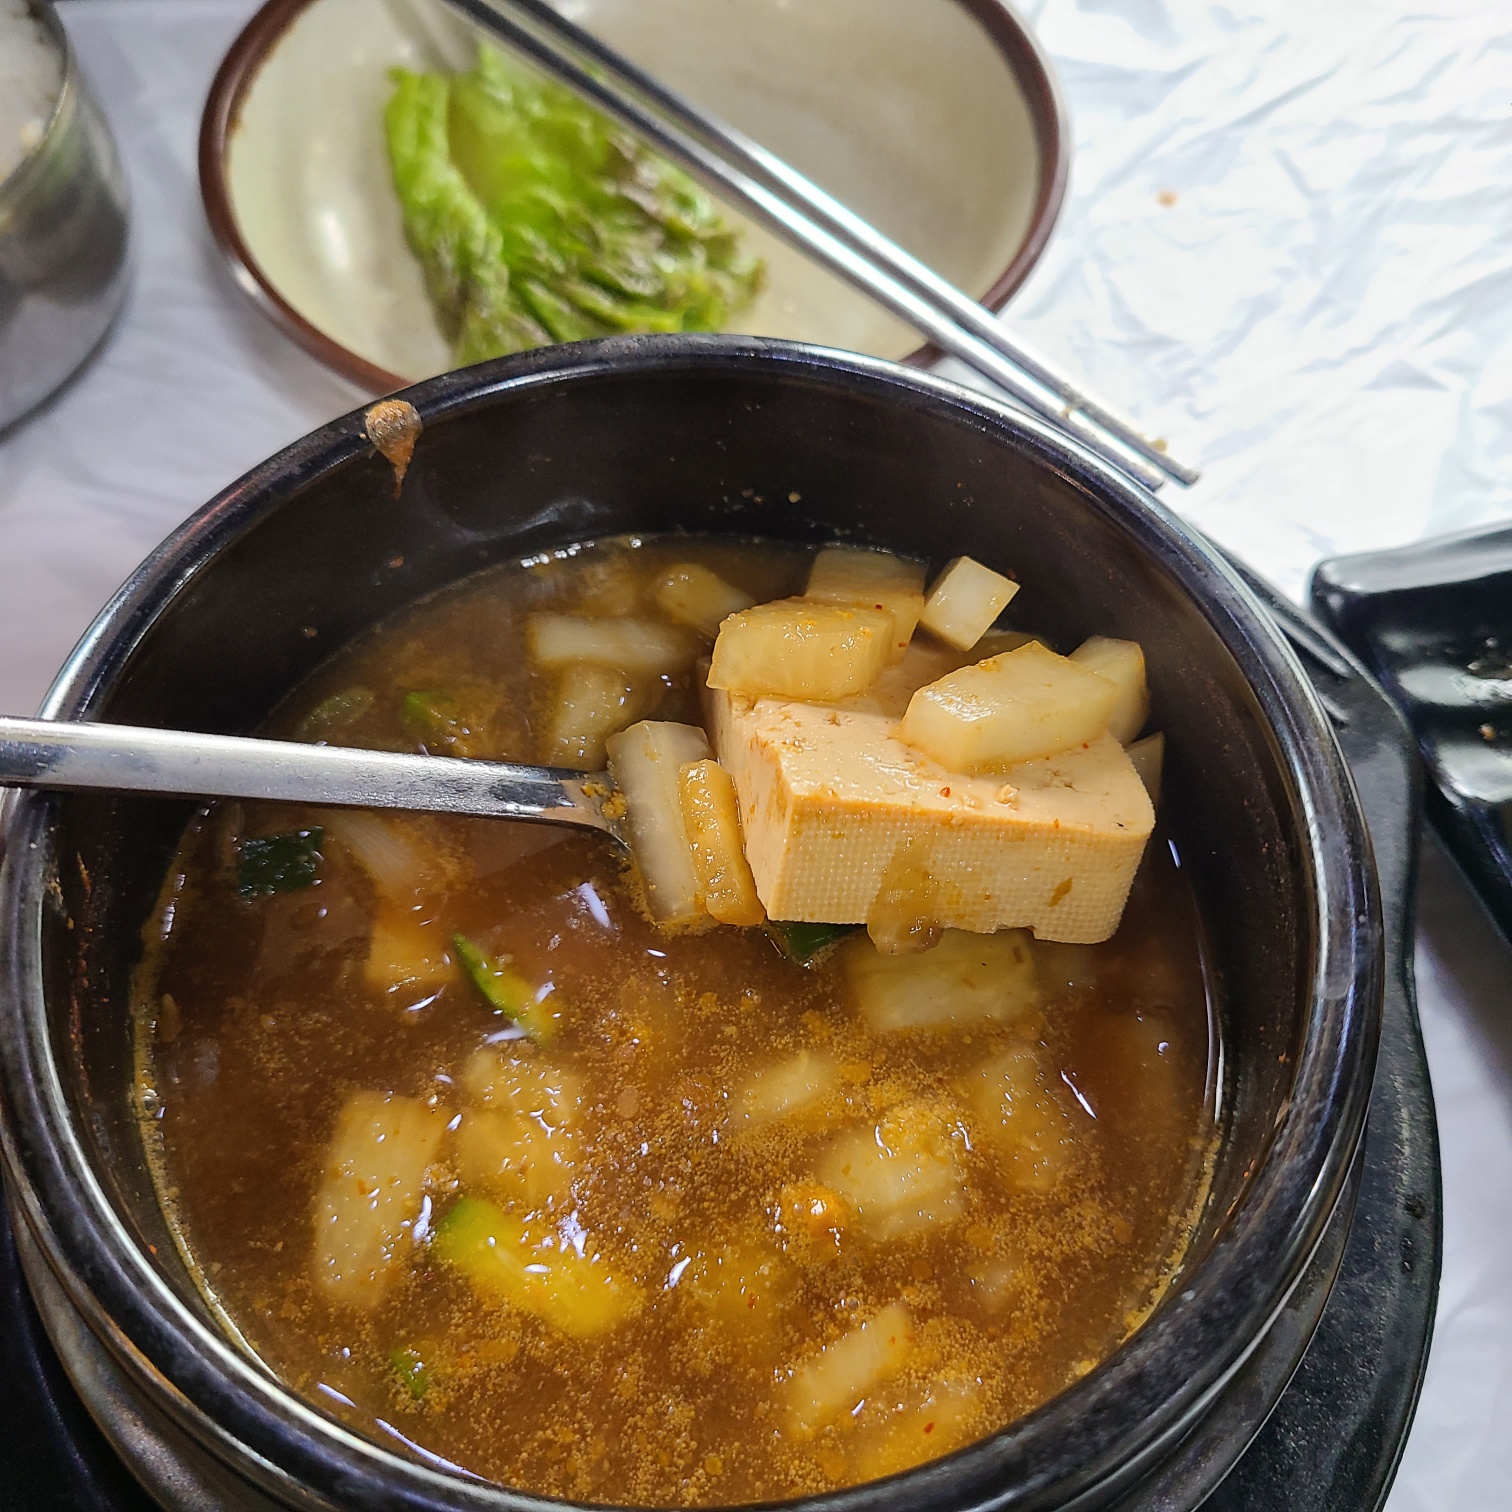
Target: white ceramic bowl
(936,119)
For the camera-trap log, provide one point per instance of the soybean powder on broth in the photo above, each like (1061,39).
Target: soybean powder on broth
(1046,1211)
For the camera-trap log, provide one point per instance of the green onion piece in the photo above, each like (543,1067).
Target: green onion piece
(278,863)
(575,1293)
(412,1373)
(442,722)
(431,716)
(803,943)
(334,714)
(506,991)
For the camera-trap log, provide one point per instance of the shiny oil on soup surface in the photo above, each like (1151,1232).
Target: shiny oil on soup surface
(695,1222)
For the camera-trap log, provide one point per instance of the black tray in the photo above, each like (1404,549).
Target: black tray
(1434,623)
(1332,1443)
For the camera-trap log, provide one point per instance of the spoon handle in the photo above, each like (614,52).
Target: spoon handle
(43,753)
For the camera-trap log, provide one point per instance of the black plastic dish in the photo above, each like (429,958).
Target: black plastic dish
(1434,622)
(658,434)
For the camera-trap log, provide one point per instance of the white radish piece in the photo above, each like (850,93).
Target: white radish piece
(387,850)
(965,600)
(408,950)
(1021,1119)
(1021,706)
(793,1088)
(901,1428)
(514,1158)
(711,817)
(610,585)
(639,648)
(740,1286)
(996,642)
(1122,663)
(592,703)
(550,1095)
(370,1193)
(645,762)
(965,979)
(859,575)
(795,648)
(831,1384)
(901,1176)
(693,596)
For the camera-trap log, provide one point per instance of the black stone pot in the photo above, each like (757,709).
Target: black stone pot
(747,437)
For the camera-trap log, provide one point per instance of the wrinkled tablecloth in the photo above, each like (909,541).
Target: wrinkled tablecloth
(1287,247)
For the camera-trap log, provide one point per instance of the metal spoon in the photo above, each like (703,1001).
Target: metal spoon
(44,753)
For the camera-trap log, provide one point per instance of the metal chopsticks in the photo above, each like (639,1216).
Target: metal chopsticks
(804,214)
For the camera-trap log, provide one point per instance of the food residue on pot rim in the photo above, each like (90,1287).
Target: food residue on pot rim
(393,426)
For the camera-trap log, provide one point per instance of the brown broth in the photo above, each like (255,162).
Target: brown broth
(260,1020)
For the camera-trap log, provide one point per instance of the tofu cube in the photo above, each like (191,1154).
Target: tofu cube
(1122,663)
(859,575)
(965,600)
(1021,706)
(795,648)
(828,797)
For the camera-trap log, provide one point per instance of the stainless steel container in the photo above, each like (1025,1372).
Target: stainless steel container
(63,243)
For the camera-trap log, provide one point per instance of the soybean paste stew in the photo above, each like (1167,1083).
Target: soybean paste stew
(486,1162)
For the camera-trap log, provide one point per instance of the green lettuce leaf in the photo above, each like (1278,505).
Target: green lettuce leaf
(536,219)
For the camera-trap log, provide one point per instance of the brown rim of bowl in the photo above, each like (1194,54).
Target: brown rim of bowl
(257,39)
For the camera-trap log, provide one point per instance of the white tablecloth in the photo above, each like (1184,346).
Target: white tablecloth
(1288,243)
